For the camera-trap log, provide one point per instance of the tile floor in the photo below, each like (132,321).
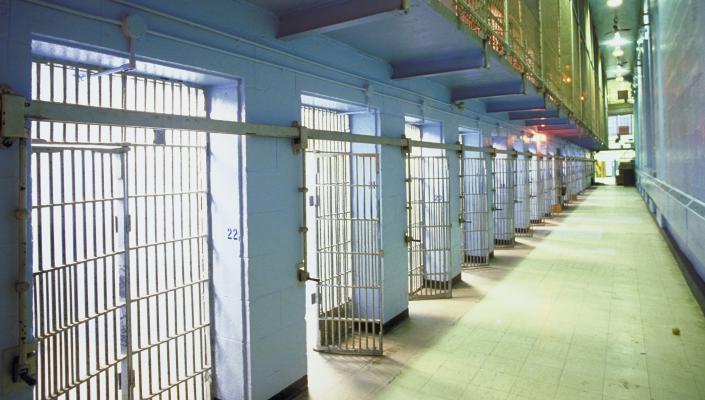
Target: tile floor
(583,310)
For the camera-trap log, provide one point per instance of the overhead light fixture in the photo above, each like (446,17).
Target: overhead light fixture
(618,52)
(614,3)
(619,78)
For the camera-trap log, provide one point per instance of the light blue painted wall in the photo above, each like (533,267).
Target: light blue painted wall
(671,135)
(273,79)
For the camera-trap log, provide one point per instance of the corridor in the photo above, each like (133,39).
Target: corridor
(585,309)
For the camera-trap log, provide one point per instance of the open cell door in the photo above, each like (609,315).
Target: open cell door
(349,256)
(80,272)
(428,226)
(474,210)
(503,207)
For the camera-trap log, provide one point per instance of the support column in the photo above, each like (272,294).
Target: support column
(396,283)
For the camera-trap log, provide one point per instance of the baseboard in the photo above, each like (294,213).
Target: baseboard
(691,275)
(294,390)
(395,321)
(694,280)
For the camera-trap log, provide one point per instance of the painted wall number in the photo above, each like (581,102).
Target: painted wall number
(233,234)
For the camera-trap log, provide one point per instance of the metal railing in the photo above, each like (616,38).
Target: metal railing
(542,40)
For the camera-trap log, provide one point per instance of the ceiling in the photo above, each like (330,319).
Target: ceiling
(629,16)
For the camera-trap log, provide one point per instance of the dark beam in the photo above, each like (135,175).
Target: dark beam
(486,91)
(527,104)
(438,66)
(514,116)
(336,16)
(550,128)
(547,121)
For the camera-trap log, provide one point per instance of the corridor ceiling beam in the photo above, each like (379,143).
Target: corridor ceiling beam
(547,121)
(559,128)
(487,91)
(336,16)
(436,66)
(527,104)
(519,115)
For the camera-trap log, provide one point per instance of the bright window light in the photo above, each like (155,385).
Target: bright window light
(614,3)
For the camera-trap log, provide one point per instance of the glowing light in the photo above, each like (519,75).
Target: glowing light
(618,52)
(619,78)
(539,137)
(614,3)
(617,40)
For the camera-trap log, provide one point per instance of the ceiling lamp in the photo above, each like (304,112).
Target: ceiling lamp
(614,3)
(619,78)
(618,52)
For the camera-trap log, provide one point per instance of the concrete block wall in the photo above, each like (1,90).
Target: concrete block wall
(258,306)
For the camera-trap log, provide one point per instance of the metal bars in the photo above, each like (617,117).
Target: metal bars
(474,210)
(162,282)
(537,176)
(79,272)
(428,226)
(547,42)
(559,181)
(522,186)
(503,208)
(549,185)
(348,241)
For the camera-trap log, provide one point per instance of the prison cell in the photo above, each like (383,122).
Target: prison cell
(348,240)
(557,197)
(537,190)
(474,210)
(119,220)
(548,187)
(567,179)
(428,220)
(428,237)
(522,201)
(503,207)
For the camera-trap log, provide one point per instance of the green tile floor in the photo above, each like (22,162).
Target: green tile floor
(582,310)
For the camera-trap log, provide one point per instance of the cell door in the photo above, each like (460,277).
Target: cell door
(559,178)
(522,200)
(80,271)
(503,208)
(349,264)
(428,226)
(548,187)
(537,191)
(474,211)
(130,284)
